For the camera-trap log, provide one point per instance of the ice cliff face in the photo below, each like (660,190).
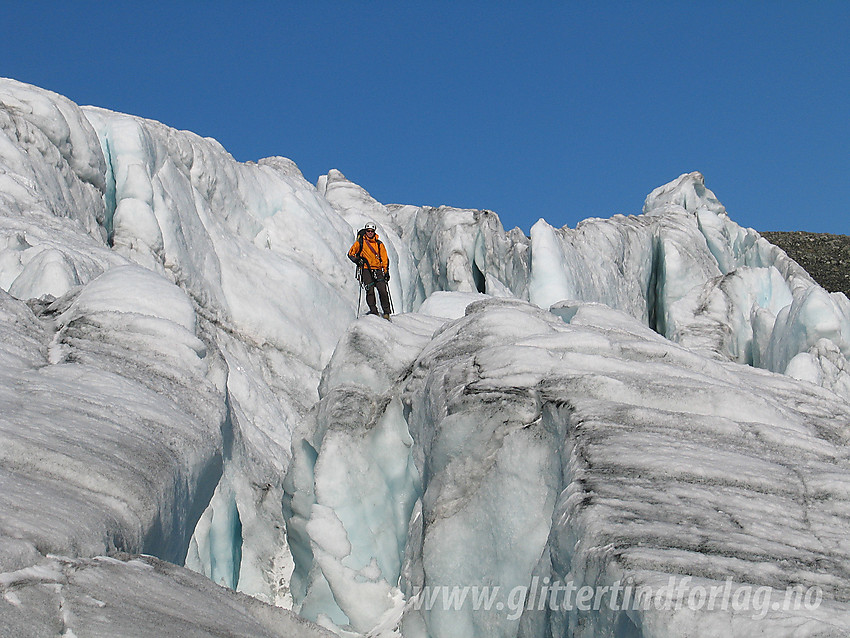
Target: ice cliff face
(638,398)
(572,446)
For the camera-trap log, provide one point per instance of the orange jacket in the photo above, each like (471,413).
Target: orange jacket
(373,252)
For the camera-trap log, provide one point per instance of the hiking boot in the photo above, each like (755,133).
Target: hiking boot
(387,316)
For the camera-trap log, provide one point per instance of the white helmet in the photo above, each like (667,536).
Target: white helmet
(370,226)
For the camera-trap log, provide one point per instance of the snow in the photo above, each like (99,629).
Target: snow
(639,399)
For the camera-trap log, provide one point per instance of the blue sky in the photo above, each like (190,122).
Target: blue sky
(562,110)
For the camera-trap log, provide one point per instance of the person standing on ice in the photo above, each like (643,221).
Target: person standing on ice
(370,255)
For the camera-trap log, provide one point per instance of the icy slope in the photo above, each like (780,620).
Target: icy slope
(137,597)
(84,420)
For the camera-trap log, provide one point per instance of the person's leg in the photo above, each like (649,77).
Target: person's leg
(385,298)
(366,277)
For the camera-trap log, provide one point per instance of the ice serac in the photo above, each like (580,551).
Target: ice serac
(51,158)
(488,463)
(438,248)
(52,187)
(112,424)
(738,477)
(353,482)
(138,383)
(691,274)
(762,309)
(568,447)
(464,250)
(181,207)
(683,268)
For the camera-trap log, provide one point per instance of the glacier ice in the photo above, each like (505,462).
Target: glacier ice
(563,448)
(636,399)
(104,597)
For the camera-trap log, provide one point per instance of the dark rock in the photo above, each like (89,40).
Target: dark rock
(825,257)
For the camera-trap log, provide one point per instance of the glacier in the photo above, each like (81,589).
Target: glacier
(199,437)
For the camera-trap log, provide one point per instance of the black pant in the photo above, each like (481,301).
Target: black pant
(371,280)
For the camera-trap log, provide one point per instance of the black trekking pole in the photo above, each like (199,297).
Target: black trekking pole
(390,296)
(359,289)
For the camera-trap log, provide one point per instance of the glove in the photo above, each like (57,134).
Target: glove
(387,275)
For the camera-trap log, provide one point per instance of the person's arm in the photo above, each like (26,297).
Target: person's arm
(352,255)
